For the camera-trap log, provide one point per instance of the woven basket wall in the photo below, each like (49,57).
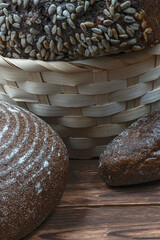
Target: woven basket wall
(88,102)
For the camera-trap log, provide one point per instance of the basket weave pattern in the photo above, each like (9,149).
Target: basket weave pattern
(88,101)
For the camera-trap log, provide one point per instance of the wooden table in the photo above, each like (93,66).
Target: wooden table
(91,211)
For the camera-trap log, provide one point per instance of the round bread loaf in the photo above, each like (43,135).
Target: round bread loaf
(134,156)
(33,170)
(76,29)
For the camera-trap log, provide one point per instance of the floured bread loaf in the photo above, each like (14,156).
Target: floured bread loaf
(134,156)
(33,170)
(76,29)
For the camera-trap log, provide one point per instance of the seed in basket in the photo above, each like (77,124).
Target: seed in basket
(133,157)
(88,22)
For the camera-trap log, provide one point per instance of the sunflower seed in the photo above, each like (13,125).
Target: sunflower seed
(126,4)
(51,9)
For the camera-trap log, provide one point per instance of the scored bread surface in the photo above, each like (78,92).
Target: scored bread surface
(33,170)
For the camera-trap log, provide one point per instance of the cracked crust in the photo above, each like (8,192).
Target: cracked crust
(134,156)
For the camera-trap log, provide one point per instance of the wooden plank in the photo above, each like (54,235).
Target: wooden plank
(104,223)
(85,188)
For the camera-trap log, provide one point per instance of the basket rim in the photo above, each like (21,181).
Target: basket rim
(147,50)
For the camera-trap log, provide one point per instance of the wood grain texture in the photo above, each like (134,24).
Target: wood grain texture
(85,188)
(91,211)
(102,223)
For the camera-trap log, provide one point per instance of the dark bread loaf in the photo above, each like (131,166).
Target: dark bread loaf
(33,170)
(76,29)
(134,156)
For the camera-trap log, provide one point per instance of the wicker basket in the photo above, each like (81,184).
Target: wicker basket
(89,101)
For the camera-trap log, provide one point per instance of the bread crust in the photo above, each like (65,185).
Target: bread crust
(33,170)
(134,156)
(77,29)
